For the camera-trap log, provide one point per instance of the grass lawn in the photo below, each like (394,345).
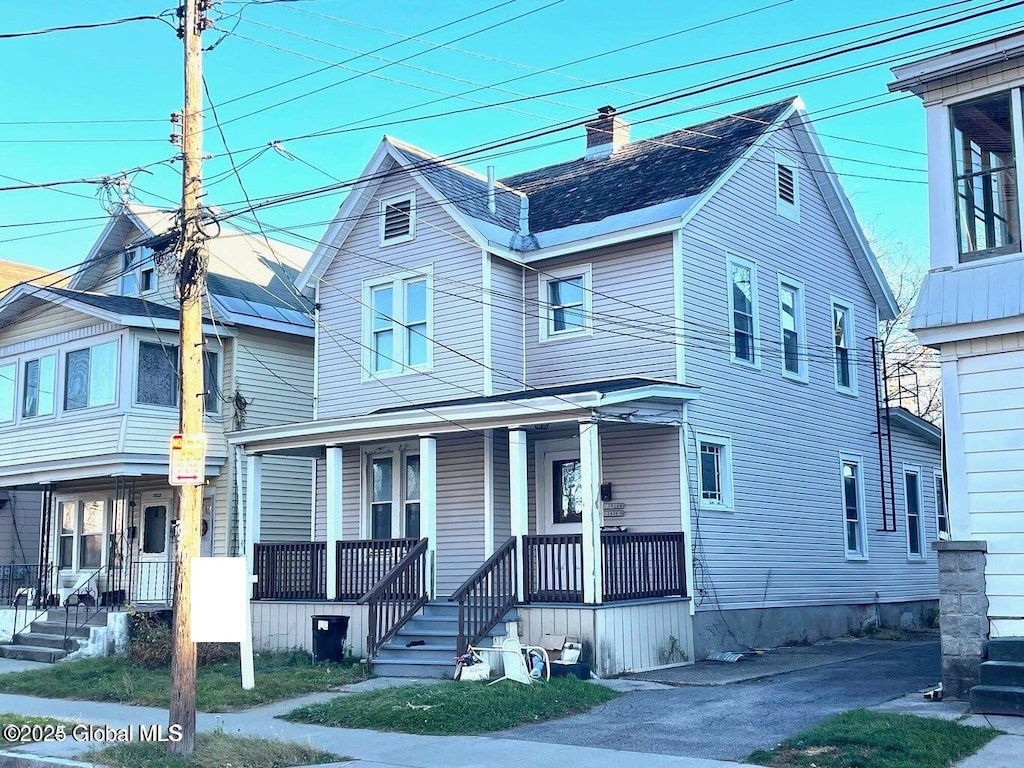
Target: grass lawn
(8,719)
(218,689)
(213,750)
(456,708)
(862,739)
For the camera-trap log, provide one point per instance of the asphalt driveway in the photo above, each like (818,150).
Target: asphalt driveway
(727,722)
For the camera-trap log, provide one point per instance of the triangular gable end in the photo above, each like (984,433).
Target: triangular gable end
(88,275)
(357,201)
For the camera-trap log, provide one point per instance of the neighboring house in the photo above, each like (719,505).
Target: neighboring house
(630,395)
(971,308)
(92,400)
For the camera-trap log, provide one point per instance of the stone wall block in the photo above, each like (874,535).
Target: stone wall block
(949,602)
(974,605)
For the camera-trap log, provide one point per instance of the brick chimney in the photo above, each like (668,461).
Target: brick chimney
(606,134)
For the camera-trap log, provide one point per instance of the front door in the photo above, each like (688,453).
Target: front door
(558,563)
(152,575)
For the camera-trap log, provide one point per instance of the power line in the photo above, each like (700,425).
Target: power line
(93,25)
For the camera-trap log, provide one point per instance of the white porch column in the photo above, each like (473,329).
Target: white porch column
(253,499)
(428,507)
(517,501)
(334,511)
(590,480)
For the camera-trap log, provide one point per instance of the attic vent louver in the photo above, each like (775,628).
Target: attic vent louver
(787,185)
(397,219)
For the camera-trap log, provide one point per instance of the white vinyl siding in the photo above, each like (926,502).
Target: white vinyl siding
(744,323)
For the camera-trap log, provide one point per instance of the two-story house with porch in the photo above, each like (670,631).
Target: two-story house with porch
(971,308)
(89,399)
(630,396)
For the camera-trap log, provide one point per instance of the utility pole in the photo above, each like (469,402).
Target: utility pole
(191,285)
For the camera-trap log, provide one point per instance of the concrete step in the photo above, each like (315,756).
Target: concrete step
(390,668)
(57,628)
(1006,673)
(40,640)
(32,653)
(57,614)
(997,700)
(1006,649)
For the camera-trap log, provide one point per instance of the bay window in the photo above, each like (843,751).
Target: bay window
(158,379)
(90,376)
(7,373)
(38,386)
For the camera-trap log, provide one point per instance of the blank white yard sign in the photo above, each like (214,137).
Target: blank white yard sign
(220,606)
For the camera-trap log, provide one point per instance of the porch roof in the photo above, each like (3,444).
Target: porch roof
(38,474)
(534,406)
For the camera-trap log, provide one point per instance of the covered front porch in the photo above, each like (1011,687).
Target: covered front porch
(559,506)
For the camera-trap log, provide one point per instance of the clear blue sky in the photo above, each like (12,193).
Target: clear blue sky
(133,72)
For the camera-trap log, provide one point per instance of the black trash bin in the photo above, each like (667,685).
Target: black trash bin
(329,633)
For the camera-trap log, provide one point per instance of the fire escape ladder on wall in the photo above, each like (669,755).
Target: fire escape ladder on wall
(883,431)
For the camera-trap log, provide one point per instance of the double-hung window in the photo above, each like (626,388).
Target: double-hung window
(394,496)
(399,324)
(787,188)
(8,372)
(566,301)
(742,275)
(941,512)
(37,397)
(398,219)
(715,472)
(915,522)
(792,328)
(855,530)
(138,272)
(90,376)
(158,381)
(985,176)
(844,348)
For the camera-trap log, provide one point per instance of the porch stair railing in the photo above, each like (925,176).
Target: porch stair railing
(486,596)
(90,596)
(396,598)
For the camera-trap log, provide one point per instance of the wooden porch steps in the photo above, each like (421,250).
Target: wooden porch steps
(435,630)
(44,640)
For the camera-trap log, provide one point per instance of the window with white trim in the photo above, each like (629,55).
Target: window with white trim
(394,495)
(792,328)
(915,521)
(138,272)
(90,376)
(844,347)
(157,381)
(941,512)
(714,475)
(8,371)
(854,529)
(38,386)
(398,320)
(398,219)
(566,300)
(787,188)
(743,319)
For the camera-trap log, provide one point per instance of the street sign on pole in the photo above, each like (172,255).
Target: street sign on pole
(187,464)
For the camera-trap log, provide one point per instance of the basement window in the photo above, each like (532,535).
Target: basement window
(397,219)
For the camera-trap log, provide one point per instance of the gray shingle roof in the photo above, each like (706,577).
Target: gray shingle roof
(646,172)
(465,189)
(121,305)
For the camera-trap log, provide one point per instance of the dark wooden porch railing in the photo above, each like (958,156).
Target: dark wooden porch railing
(292,571)
(396,598)
(487,595)
(641,565)
(362,564)
(553,568)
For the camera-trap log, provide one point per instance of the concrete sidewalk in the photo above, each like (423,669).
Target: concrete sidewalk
(368,748)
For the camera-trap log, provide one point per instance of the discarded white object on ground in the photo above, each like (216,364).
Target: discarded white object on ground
(727,656)
(935,694)
(514,663)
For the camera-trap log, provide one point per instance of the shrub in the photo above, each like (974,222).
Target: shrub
(149,642)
